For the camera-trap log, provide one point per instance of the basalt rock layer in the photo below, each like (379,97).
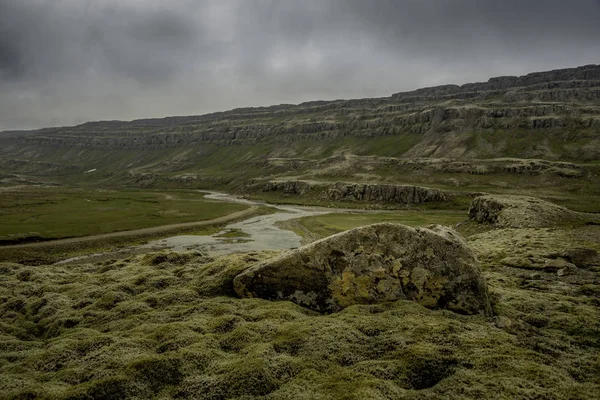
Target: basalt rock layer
(358,192)
(552,115)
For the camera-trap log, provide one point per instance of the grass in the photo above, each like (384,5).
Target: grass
(44,214)
(320,226)
(54,252)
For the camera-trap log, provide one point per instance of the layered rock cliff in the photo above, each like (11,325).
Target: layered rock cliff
(550,115)
(358,192)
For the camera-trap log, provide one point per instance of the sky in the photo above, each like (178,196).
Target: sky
(64,62)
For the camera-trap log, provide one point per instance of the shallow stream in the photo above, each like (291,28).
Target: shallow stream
(256,233)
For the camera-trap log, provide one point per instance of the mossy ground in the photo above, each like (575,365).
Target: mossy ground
(166,325)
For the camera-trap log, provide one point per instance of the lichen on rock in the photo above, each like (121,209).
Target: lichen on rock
(372,264)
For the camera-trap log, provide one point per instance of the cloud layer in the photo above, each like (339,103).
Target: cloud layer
(69,61)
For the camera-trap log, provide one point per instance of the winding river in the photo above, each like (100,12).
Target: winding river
(257,233)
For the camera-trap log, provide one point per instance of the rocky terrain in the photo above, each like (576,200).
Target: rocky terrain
(373,193)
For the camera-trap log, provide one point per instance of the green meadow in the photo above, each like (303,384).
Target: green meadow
(32,214)
(320,226)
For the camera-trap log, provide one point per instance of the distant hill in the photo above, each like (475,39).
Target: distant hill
(552,115)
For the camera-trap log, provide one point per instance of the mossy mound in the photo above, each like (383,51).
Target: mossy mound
(139,329)
(508,211)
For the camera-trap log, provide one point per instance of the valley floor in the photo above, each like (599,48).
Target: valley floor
(168,325)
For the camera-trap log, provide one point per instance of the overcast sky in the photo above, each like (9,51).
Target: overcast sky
(69,61)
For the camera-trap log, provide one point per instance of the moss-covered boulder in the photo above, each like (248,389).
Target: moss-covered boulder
(509,211)
(371,264)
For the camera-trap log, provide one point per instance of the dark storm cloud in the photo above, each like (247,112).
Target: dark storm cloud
(55,39)
(67,61)
(10,59)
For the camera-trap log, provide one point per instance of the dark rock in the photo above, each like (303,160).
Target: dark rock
(343,191)
(386,193)
(287,187)
(376,263)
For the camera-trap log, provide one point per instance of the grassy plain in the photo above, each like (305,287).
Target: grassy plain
(320,226)
(37,214)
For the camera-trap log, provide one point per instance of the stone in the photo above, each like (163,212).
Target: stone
(568,270)
(558,264)
(582,257)
(376,263)
(509,211)
(348,191)
(287,187)
(386,193)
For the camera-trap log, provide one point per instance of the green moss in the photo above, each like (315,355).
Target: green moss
(320,226)
(156,372)
(167,327)
(113,388)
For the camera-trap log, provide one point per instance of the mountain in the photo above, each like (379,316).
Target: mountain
(552,115)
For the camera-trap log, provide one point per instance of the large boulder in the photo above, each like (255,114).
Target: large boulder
(371,264)
(509,211)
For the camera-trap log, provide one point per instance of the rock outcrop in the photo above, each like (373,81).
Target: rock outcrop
(287,187)
(533,81)
(386,193)
(371,264)
(524,212)
(377,193)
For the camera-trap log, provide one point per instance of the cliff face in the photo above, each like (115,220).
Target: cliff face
(567,80)
(373,193)
(551,115)
(386,193)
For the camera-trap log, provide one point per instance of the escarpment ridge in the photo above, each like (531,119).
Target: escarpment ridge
(553,115)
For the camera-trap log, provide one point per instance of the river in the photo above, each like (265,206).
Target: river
(256,233)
